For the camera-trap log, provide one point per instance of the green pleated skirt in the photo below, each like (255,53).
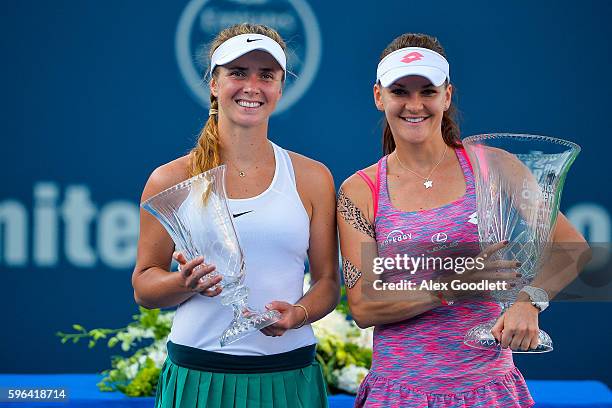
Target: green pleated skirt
(181,387)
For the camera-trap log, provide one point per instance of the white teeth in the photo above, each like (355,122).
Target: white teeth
(414,120)
(248,104)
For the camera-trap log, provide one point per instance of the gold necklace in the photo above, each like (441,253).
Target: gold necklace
(427,183)
(241,173)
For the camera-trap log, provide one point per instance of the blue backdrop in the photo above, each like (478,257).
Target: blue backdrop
(95,95)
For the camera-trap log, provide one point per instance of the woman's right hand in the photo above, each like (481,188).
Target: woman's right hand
(494,270)
(194,275)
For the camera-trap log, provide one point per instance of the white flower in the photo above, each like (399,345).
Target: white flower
(158,353)
(132,370)
(166,317)
(366,338)
(139,333)
(349,378)
(335,324)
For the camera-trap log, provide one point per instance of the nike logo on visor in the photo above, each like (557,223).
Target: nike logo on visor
(242,213)
(253,39)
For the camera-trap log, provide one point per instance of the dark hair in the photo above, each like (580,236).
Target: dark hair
(450,129)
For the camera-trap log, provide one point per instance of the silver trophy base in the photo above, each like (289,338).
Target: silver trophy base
(480,337)
(248,322)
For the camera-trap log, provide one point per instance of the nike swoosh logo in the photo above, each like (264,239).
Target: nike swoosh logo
(254,39)
(242,213)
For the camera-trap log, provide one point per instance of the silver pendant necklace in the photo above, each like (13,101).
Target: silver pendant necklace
(428,183)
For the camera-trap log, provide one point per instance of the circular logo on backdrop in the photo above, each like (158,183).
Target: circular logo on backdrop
(202,20)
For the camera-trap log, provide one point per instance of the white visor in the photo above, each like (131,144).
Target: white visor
(239,45)
(413,61)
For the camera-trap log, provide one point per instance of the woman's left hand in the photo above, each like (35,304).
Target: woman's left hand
(518,327)
(291,316)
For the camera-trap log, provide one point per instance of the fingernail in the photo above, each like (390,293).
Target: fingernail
(505,241)
(268,306)
(519,263)
(519,275)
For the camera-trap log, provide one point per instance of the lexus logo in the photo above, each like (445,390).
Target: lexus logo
(439,237)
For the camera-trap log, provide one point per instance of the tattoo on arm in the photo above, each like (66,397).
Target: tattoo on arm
(351,273)
(353,215)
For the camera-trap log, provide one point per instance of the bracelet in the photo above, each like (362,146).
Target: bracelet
(305,315)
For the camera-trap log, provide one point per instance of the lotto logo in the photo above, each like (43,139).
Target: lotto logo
(473,218)
(412,56)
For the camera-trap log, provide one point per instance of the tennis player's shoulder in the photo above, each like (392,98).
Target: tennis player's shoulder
(357,190)
(166,176)
(311,174)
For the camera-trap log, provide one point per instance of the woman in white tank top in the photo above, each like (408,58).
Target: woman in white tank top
(284,210)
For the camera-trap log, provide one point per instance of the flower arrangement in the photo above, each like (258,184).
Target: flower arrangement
(344,351)
(136,374)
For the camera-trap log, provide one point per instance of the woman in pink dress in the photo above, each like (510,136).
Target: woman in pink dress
(422,193)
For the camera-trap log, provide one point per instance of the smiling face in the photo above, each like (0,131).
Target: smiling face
(248,88)
(413,107)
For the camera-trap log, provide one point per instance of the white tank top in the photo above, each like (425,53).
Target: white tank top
(274,230)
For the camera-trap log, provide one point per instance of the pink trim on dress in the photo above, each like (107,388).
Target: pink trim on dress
(465,156)
(373,188)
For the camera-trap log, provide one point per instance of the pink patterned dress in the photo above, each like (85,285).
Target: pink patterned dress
(422,361)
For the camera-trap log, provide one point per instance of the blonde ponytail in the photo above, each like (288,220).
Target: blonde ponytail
(205,154)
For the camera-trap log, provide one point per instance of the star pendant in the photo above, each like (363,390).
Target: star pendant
(428,183)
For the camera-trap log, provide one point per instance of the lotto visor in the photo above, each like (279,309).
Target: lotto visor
(413,61)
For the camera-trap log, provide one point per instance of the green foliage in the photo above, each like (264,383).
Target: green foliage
(333,354)
(145,381)
(133,374)
(343,306)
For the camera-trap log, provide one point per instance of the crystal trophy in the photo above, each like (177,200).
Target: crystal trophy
(196,215)
(519,179)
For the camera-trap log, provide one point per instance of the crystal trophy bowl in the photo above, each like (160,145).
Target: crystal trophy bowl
(519,179)
(196,215)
